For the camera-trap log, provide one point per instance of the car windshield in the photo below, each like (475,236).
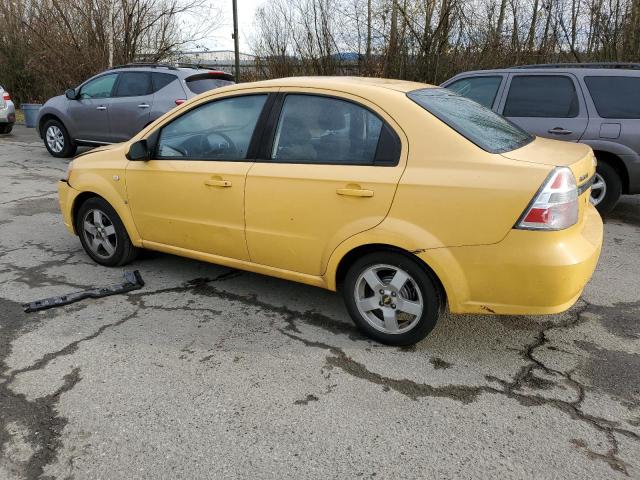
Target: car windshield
(485,128)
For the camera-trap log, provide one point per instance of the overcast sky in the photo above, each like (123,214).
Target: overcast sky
(221,37)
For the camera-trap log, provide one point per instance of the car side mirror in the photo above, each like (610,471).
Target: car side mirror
(71,94)
(139,151)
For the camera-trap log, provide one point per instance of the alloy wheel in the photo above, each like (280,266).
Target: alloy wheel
(99,233)
(55,139)
(388,298)
(598,190)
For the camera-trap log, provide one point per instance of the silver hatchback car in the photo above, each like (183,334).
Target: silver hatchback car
(596,104)
(7,112)
(114,105)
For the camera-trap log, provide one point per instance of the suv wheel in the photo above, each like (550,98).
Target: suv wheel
(391,298)
(103,235)
(57,140)
(606,189)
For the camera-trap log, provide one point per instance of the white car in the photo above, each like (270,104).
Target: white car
(7,112)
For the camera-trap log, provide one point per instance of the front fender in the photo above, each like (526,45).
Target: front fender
(109,185)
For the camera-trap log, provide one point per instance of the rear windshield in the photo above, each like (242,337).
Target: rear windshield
(476,123)
(615,97)
(201,85)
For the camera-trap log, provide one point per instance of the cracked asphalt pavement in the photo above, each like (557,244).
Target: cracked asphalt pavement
(208,372)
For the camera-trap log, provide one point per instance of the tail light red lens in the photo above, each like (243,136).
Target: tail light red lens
(180,101)
(555,206)
(6,96)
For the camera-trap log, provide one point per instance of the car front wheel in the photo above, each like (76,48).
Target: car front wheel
(103,235)
(57,140)
(392,298)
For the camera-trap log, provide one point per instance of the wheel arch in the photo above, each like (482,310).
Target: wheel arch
(617,164)
(45,118)
(120,207)
(359,251)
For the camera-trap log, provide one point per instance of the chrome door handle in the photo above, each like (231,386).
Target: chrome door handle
(354,192)
(101,108)
(559,131)
(143,105)
(217,183)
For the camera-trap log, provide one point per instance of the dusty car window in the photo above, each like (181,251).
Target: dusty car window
(316,129)
(615,97)
(100,87)
(486,129)
(219,130)
(200,85)
(481,89)
(547,96)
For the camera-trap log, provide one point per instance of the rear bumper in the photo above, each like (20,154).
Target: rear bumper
(529,272)
(66,197)
(7,115)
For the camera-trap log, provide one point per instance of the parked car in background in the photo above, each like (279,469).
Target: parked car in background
(114,105)
(408,197)
(596,104)
(7,112)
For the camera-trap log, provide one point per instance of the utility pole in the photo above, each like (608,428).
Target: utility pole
(110,35)
(235,39)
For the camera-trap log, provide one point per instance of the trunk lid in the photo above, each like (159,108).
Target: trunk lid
(577,156)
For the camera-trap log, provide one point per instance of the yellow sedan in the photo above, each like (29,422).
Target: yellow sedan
(404,196)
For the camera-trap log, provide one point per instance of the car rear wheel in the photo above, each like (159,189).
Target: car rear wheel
(103,235)
(391,298)
(57,140)
(606,189)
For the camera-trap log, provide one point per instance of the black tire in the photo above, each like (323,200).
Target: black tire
(123,250)
(416,327)
(613,190)
(68,148)
(5,129)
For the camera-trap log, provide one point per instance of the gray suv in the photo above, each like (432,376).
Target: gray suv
(596,104)
(116,104)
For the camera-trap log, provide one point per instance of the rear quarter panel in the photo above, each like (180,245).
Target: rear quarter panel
(452,192)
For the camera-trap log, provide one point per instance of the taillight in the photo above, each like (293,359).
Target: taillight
(6,96)
(555,206)
(180,101)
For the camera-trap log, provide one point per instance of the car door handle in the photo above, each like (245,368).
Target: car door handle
(143,105)
(217,183)
(354,192)
(560,131)
(101,108)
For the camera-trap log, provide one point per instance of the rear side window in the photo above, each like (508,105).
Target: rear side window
(134,84)
(325,130)
(550,96)
(480,89)
(200,84)
(161,80)
(615,97)
(485,128)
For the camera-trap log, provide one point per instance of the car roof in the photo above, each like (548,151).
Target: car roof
(182,71)
(347,83)
(591,69)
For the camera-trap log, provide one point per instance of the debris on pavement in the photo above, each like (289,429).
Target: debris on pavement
(133,281)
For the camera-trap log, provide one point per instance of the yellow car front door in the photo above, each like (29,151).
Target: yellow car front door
(190,195)
(328,171)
